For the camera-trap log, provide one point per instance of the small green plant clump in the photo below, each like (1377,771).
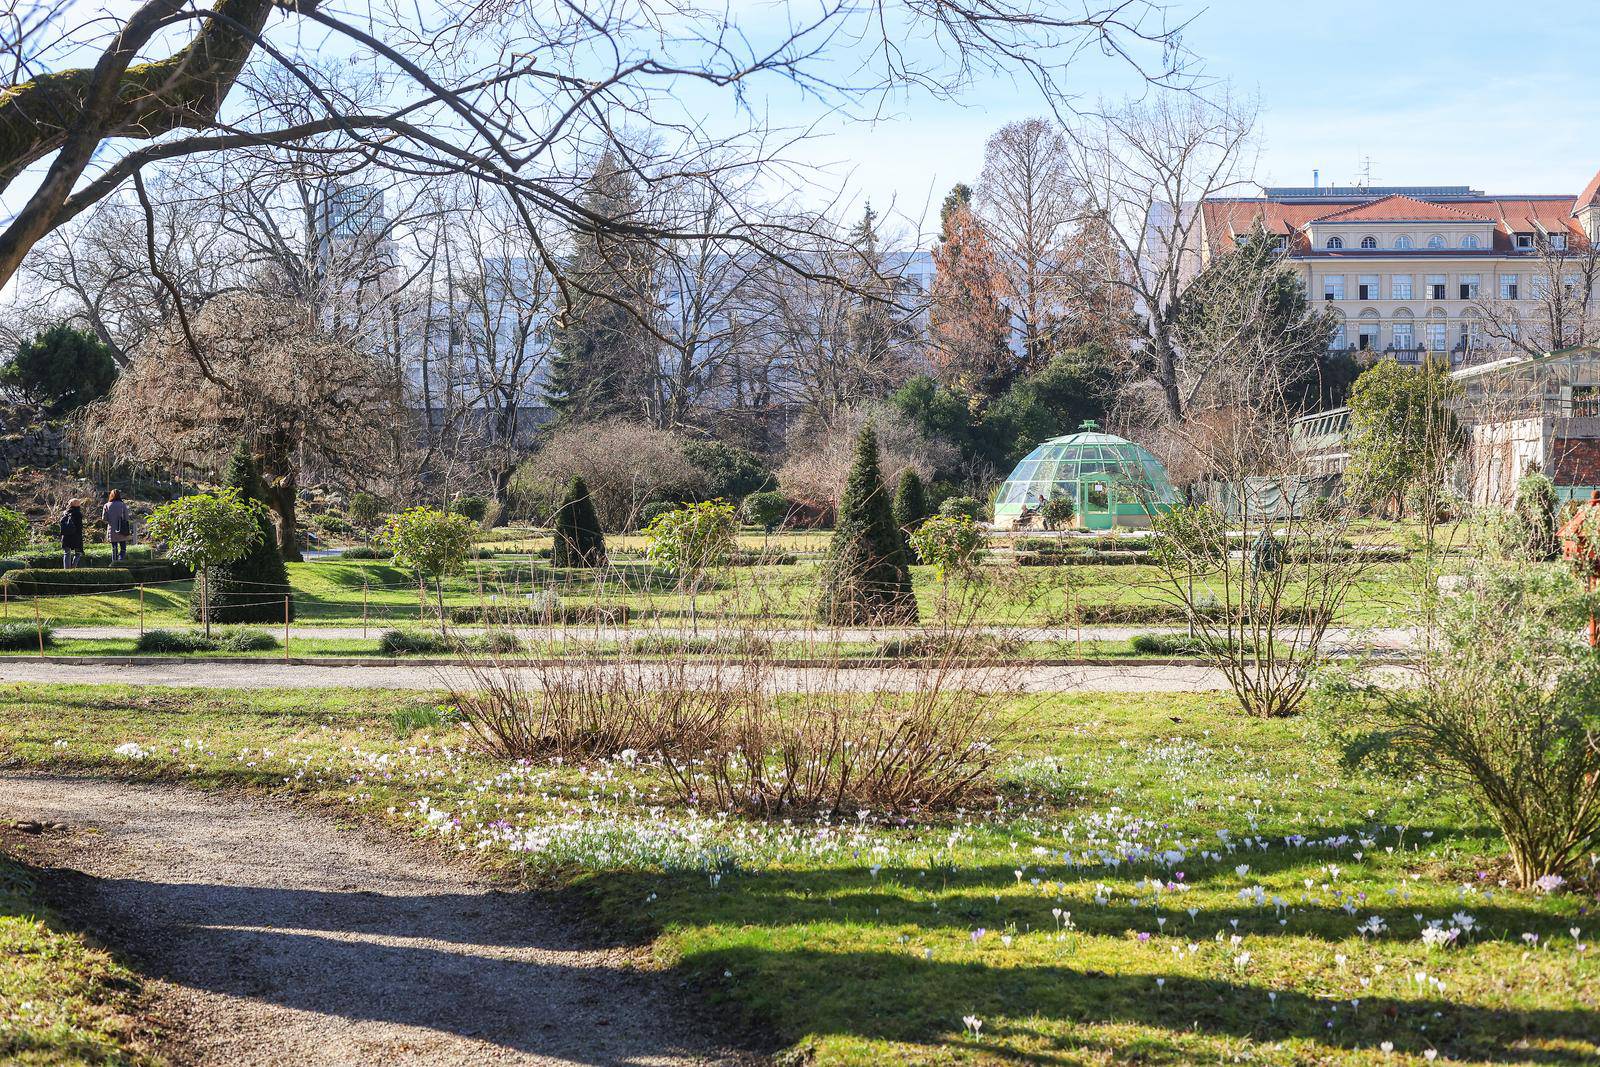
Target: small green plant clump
(952,544)
(24,636)
(228,639)
(766,509)
(962,505)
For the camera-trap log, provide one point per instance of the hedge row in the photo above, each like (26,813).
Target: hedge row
(564,614)
(53,581)
(1152,614)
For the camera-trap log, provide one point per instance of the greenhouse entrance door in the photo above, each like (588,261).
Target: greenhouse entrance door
(1097,503)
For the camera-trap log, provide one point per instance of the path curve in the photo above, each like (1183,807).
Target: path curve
(272,937)
(266,674)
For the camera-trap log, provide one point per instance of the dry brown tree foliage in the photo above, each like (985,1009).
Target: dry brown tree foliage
(254,368)
(625,465)
(820,456)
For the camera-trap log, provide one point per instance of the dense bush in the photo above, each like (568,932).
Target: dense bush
(366,552)
(62,369)
(471,506)
(655,509)
(765,509)
(227,639)
(254,587)
(543,613)
(415,643)
(910,501)
(969,506)
(622,464)
(728,472)
(43,581)
(24,636)
(1166,644)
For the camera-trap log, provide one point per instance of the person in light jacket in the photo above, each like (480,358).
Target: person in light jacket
(72,534)
(119,525)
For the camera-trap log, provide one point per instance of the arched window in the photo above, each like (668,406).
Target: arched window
(1369,242)
(1402,242)
(1469,241)
(1436,241)
(1335,242)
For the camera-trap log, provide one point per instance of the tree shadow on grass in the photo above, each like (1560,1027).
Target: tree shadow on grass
(900,996)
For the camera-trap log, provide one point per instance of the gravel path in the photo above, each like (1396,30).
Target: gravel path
(272,937)
(266,674)
(1336,638)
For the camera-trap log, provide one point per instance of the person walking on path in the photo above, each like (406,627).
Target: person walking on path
(72,534)
(119,525)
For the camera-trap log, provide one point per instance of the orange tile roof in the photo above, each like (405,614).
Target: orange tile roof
(1399,208)
(1589,196)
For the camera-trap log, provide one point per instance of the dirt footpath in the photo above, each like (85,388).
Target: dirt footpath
(271,936)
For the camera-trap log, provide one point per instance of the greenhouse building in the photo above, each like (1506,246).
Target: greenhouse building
(1111,481)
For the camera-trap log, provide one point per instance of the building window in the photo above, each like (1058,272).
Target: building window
(1436,287)
(1367,337)
(1367,287)
(1586,401)
(1400,287)
(1468,287)
(1558,242)
(1436,241)
(1436,336)
(1539,286)
(1337,344)
(1524,242)
(1469,241)
(1335,242)
(1508,287)
(1400,336)
(1402,243)
(1571,284)
(1280,244)
(1369,242)
(1333,287)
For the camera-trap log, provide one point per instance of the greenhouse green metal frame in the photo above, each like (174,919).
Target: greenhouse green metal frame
(1111,481)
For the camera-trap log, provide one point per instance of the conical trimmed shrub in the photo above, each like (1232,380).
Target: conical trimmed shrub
(251,589)
(866,579)
(579,540)
(910,501)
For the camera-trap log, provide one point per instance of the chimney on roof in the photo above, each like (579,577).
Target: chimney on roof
(1316,180)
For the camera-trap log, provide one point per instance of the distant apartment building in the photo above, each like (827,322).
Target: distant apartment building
(1416,272)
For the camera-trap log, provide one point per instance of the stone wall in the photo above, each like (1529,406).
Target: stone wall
(29,442)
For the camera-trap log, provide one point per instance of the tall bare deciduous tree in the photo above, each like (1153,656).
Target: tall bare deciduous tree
(1141,168)
(505,90)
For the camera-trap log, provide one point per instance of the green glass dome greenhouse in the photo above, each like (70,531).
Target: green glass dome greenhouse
(1111,481)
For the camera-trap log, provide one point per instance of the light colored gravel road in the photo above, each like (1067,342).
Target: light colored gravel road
(271,937)
(266,674)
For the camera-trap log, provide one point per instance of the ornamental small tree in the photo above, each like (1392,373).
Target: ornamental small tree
(579,541)
(254,587)
(766,509)
(205,531)
(430,544)
(1058,512)
(952,544)
(910,501)
(13,532)
(691,542)
(866,579)
(1536,506)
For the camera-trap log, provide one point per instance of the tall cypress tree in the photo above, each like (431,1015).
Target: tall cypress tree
(579,540)
(251,589)
(604,357)
(866,579)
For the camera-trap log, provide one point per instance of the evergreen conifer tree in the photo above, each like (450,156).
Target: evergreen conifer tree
(603,354)
(910,501)
(579,541)
(866,580)
(251,589)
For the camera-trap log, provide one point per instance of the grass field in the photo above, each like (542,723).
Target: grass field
(344,592)
(1155,879)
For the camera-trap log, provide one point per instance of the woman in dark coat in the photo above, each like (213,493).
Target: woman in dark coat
(72,534)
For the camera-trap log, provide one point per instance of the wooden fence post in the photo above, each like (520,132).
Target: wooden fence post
(286,627)
(141,609)
(38,624)
(363,608)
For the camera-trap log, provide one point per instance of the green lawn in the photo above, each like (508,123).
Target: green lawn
(1158,879)
(344,592)
(62,1001)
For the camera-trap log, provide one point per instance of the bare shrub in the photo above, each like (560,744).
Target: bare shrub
(820,455)
(625,464)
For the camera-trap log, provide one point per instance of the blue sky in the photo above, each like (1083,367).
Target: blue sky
(1498,96)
